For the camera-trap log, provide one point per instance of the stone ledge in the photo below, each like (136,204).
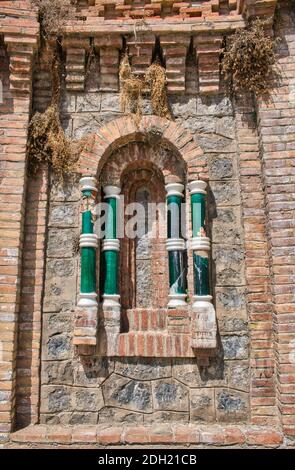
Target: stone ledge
(164,434)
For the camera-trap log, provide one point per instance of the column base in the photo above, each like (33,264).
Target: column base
(177,300)
(200,299)
(204,324)
(88,300)
(111,300)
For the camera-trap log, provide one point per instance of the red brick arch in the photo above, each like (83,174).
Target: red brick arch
(121,131)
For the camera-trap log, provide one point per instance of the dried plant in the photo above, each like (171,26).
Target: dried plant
(156,79)
(131,88)
(54,14)
(47,142)
(249,59)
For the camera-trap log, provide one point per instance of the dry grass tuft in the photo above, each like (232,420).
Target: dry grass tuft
(54,14)
(131,88)
(156,79)
(249,59)
(47,143)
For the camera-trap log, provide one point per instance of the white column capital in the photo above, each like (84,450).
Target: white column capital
(111,244)
(175,244)
(111,191)
(174,189)
(200,244)
(88,183)
(197,187)
(88,240)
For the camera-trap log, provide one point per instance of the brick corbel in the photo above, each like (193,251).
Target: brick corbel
(21,55)
(140,51)
(76,49)
(252,8)
(109,56)
(175,47)
(208,49)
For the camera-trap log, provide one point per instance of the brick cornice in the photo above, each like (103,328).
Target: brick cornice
(169,434)
(167,26)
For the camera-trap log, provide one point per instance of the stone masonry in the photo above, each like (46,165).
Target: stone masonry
(140,382)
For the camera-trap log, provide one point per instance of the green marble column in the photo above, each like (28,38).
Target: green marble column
(88,245)
(203,318)
(200,242)
(175,246)
(110,250)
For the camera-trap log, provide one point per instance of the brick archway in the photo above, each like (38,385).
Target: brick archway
(121,131)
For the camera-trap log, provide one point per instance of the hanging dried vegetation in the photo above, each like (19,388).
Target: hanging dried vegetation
(156,79)
(47,142)
(249,59)
(54,14)
(132,88)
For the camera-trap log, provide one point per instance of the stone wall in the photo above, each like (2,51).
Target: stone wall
(90,389)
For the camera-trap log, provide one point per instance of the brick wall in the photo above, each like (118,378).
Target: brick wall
(276,131)
(16,65)
(243,148)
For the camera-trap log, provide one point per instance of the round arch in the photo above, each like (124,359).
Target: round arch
(124,130)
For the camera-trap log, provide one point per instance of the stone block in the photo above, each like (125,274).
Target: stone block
(61,268)
(88,399)
(183,106)
(218,105)
(226,226)
(129,394)
(89,102)
(235,347)
(61,242)
(66,191)
(57,373)
(222,166)
(225,193)
(91,371)
(168,394)
(166,417)
(144,368)
(60,294)
(231,406)
(228,265)
(110,102)
(216,143)
(114,415)
(190,373)
(202,407)
(239,375)
(56,345)
(55,399)
(64,215)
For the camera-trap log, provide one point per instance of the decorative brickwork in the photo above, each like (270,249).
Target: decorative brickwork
(89,359)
